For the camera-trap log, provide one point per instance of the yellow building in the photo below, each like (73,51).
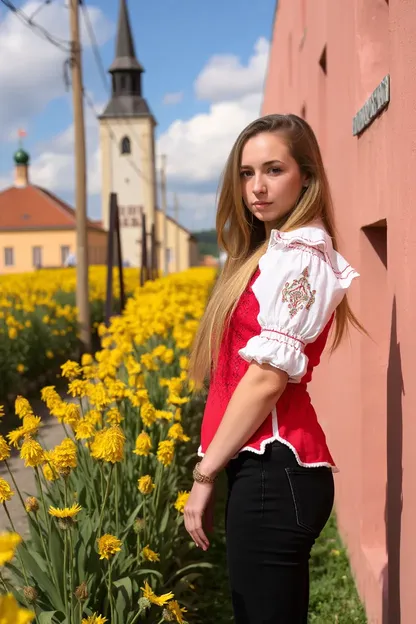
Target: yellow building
(37,229)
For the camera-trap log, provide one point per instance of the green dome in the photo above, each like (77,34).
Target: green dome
(21,157)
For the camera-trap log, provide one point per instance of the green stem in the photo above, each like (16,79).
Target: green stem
(116,498)
(45,512)
(110,593)
(15,484)
(17,551)
(3,583)
(71,574)
(45,550)
(65,578)
(107,491)
(100,466)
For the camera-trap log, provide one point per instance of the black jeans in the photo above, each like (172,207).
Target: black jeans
(275,511)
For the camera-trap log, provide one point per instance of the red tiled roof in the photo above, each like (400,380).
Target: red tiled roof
(34,208)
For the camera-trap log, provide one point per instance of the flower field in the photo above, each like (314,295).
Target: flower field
(107,542)
(38,321)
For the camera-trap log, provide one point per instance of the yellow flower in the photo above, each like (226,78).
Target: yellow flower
(108,545)
(4,449)
(11,613)
(31,504)
(20,368)
(71,414)
(184,362)
(181,501)
(32,452)
(66,512)
(84,429)
(145,484)
(168,356)
(71,370)
(31,425)
(176,433)
(12,333)
(64,456)
(6,491)
(143,444)
(8,544)
(78,388)
(49,354)
(108,444)
(165,452)
(94,619)
(148,414)
(150,555)
(157,600)
(113,416)
(1,411)
(87,359)
(94,417)
(177,611)
(22,407)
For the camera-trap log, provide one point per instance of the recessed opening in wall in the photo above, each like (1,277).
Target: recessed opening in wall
(377,237)
(375,315)
(322,61)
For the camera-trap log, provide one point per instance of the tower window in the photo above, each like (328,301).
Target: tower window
(125,145)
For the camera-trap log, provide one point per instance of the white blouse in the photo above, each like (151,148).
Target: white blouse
(302,280)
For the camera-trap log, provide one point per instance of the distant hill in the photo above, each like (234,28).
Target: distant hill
(207,242)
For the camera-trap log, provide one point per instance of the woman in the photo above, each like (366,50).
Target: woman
(282,288)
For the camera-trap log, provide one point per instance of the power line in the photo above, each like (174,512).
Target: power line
(37,28)
(103,72)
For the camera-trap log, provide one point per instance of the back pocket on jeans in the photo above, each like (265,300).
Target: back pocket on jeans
(313,496)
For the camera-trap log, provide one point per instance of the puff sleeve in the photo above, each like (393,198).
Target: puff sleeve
(302,280)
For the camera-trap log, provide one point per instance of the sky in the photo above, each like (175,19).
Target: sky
(205,64)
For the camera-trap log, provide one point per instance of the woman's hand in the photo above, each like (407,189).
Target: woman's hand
(199,508)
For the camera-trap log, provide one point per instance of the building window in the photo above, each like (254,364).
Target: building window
(125,145)
(64,254)
(8,256)
(37,256)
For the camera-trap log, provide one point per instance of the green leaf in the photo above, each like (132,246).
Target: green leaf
(124,598)
(42,579)
(165,519)
(47,617)
(56,548)
(189,568)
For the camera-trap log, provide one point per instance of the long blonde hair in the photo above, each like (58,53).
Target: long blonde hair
(243,236)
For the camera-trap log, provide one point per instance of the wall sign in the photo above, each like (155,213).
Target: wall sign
(377,101)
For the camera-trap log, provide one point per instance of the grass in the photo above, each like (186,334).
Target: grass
(333,596)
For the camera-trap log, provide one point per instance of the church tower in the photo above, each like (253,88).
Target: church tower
(127,146)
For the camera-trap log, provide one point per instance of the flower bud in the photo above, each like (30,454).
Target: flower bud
(138,525)
(168,615)
(32,504)
(30,594)
(144,603)
(81,592)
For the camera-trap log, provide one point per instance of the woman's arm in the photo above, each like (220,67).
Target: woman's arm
(252,401)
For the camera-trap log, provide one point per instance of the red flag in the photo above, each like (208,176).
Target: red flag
(21,133)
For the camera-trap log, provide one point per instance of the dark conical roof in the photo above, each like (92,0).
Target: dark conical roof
(125,52)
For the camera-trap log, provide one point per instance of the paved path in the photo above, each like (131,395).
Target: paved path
(50,434)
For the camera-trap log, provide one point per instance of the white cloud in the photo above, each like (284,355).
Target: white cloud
(54,167)
(173,98)
(225,78)
(35,73)
(204,141)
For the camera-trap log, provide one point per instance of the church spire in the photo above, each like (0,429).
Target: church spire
(126,74)
(125,52)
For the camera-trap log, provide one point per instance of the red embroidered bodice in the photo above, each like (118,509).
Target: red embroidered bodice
(288,327)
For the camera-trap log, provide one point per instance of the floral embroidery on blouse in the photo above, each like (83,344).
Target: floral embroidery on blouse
(298,294)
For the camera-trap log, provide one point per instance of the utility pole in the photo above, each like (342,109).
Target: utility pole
(80,180)
(177,242)
(165,263)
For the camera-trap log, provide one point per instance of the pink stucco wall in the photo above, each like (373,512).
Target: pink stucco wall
(365,393)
